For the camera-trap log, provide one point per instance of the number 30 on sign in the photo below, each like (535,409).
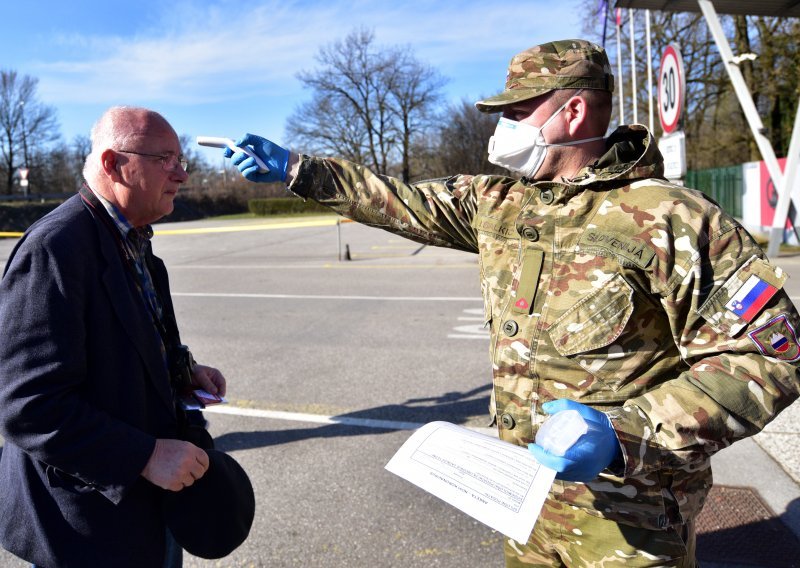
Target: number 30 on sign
(671,89)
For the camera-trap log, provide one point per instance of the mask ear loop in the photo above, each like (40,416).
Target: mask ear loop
(555,114)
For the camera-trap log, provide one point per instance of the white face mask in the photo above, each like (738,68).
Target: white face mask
(521,147)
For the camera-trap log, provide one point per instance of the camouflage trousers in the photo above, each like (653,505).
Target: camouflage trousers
(582,540)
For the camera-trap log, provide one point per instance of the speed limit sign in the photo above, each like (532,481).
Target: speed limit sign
(671,89)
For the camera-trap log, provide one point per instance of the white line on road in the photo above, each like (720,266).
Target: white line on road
(316,418)
(327,265)
(321,297)
(322,419)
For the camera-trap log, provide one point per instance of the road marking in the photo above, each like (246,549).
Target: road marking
(316,418)
(342,265)
(239,228)
(231,228)
(323,297)
(232,410)
(472,331)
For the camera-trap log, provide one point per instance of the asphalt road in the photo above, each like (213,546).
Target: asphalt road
(390,339)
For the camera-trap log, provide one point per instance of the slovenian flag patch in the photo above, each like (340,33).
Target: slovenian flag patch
(750,298)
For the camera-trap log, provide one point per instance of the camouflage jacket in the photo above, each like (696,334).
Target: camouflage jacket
(617,289)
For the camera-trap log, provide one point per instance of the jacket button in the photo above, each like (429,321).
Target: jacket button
(507,421)
(547,196)
(530,233)
(510,328)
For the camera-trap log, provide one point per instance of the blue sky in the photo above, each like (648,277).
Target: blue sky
(224,68)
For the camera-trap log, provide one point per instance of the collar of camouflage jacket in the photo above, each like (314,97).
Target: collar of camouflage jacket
(631,154)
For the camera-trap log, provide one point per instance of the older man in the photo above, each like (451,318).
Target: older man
(90,363)
(635,302)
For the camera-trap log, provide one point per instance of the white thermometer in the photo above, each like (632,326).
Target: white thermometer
(220,142)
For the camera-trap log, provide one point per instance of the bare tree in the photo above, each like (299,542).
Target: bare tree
(56,170)
(79,151)
(415,90)
(330,127)
(460,144)
(26,126)
(367,103)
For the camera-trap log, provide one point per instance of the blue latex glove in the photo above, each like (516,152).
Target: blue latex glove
(590,454)
(275,157)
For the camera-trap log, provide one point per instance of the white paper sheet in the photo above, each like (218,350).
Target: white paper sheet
(497,483)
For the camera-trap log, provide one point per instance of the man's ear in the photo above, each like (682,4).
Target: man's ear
(110,164)
(576,113)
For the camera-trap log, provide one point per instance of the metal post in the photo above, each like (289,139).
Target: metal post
(339,237)
(24,145)
(621,90)
(633,68)
(789,187)
(649,72)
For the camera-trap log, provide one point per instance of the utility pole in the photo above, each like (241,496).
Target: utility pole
(24,182)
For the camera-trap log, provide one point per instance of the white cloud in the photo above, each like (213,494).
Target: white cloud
(192,53)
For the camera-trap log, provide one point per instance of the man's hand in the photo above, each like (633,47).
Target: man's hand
(590,454)
(209,379)
(175,464)
(275,157)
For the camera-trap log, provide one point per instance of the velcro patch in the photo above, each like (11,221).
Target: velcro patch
(750,298)
(777,338)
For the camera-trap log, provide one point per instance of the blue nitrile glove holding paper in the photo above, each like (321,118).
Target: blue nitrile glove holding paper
(248,150)
(576,440)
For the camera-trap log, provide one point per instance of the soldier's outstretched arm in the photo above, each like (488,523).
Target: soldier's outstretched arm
(436,212)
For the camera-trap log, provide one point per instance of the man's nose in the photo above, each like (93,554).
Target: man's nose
(179,175)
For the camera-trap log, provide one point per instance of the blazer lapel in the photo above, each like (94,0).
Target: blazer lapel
(129,306)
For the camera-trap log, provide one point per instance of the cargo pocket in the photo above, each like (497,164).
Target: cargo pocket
(592,334)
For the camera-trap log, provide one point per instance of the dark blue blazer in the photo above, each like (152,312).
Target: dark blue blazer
(84,393)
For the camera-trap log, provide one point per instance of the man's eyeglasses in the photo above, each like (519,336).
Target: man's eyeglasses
(169,162)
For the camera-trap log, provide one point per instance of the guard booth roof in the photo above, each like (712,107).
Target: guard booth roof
(778,8)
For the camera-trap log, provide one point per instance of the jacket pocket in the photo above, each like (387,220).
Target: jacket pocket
(59,479)
(598,334)
(595,321)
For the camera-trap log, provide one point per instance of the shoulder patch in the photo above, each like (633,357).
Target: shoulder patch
(631,249)
(751,297)
(777,338)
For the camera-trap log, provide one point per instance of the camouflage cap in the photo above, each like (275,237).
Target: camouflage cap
(565,64)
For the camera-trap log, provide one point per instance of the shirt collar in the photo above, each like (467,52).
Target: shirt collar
(121,221)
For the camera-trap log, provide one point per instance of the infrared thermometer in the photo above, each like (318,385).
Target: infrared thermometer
(220,142)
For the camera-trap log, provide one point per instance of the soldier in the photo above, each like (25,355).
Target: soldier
(610,291)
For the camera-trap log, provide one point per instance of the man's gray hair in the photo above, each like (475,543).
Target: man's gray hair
(108,132)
